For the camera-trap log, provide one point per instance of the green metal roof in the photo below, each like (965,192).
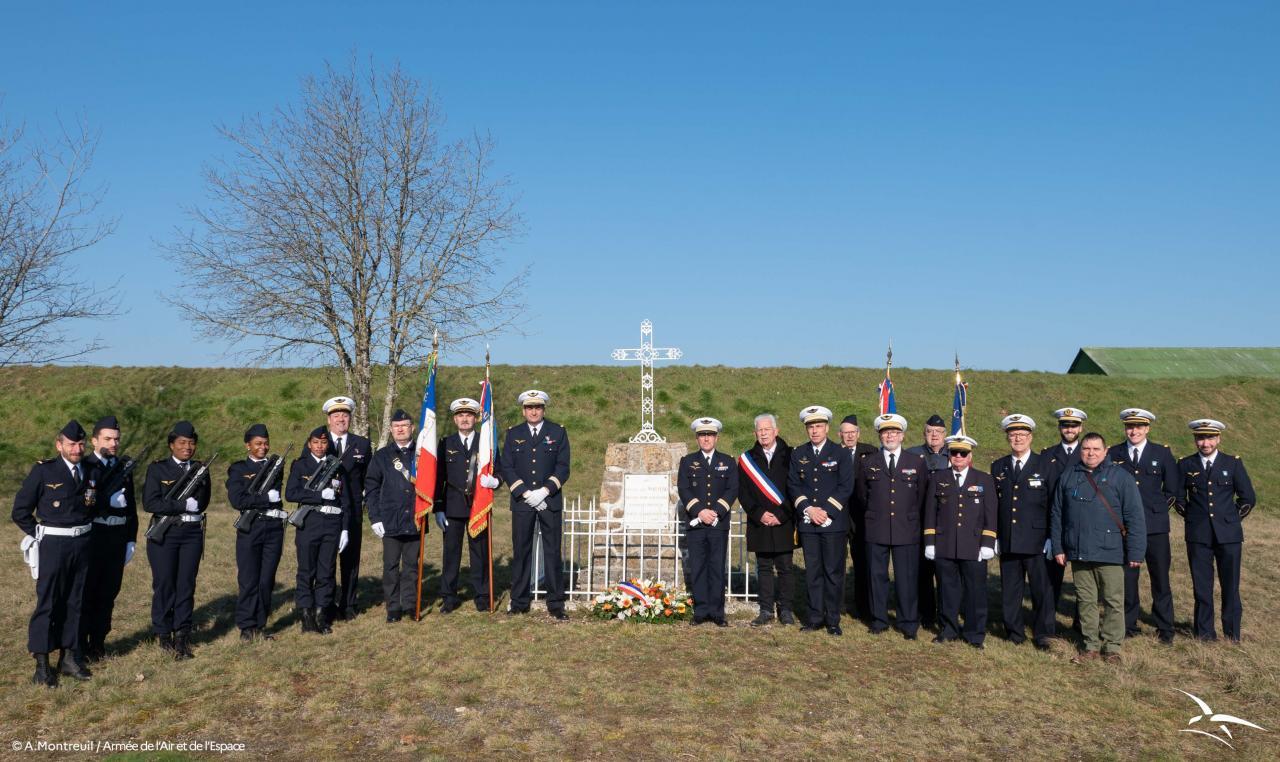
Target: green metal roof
(1177,362)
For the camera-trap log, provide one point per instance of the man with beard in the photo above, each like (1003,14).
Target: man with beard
(771,527)
(111,543)
(1059,457)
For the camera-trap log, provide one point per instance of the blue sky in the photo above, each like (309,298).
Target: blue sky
(771,184)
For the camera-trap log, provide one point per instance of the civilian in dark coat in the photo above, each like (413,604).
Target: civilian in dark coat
(773,542)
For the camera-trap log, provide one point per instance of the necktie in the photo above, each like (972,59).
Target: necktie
(1017,470)
(75,474)
(816,450)
(893,461)
(959,481)
(708,459)
(1208,465)
(342,441)
(466,443)
(1134,456)
(534,430)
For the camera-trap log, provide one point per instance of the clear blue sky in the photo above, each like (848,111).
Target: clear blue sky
(770,183)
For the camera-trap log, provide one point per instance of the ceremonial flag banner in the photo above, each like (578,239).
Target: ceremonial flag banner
(887,403)
(958,404)
(424,465)
(482,502)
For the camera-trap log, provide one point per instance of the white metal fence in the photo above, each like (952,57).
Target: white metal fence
(599,552)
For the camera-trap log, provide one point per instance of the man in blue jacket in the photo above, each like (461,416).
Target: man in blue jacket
(1097,522)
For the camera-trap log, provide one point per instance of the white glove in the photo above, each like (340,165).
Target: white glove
(715,521)
(986,554)
(540,494)
(193,505)
(930,551)
(117,499)
(335,483)
(379,530)
(342,541)
(327,493)
(128,552)
(489,482)
(31,555)
(693,522)
(273,495)
(1048,548)
(541,506)
(996,550)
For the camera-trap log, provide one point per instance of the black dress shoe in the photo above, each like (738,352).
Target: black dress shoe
(515,612)
(69,665)
(166,642)
(909,636)
(785,617)
(449,607)
(45,675)
(482,606)
(762,619)
(1041,644)
(941,639)
(1016,641)
(1166,638)
(559,615)
(349,614)
(1132,633)
(308,620)
(266,635)
(979,646)
(697,620)
(321,618)
(720,622)
(877,630)
(834,629)
(181,646)
(246,635)
(394,616)
(810,627)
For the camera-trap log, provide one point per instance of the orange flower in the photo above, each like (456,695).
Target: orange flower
(608,607)
(626,603)
(667,612)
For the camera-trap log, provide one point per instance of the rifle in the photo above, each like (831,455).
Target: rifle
(319,480)
(117,476)
(261,483)
(179,491)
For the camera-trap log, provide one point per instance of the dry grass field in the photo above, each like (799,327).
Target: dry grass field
(476,685)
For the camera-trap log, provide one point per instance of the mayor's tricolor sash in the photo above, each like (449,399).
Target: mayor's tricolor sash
(760,478)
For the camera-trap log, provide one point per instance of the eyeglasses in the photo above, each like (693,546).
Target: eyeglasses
(958,454)
(1068,425)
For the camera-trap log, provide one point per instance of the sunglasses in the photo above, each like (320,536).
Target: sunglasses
(959,454)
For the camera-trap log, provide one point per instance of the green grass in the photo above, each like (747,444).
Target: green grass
(471,685)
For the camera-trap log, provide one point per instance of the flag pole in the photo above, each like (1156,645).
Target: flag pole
(422,530)
(489,529)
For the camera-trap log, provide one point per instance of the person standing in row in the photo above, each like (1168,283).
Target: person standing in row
(1156,471)
(771,526)
(175,556)
(959,536)
(355,453)
(1217,495)
(389,493)
(455,490)
(849,436)
(535,465)
(707,484)
(820,485)
(934,452)
(322,532)
(1061,457)
(111,543)
(259,532)
(54,508)
(1022,487)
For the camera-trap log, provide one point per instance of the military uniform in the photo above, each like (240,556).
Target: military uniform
(175,559)
(707,481)
(260,545)
(355,455)
(389,493)
(115,530)
(536,458)
(316,541)
(1158,482)
(1216,498)
(1059,458)
(1023,515)
(454,492)
(926,590)
(857,541)
(54,508)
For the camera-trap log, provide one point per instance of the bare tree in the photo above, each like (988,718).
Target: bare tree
(47,215)
(347,228)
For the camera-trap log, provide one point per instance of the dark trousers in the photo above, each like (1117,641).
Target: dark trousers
(523,524)
(962,586)
(928,582)
(349,575)
(451,563)
(102,585)
(905,584)
(861,576)
(1056,574)
(400,572)
(1018,571)
(175,562)
(317,546)
(824,575)
(776,574)
(257,558)
(1159,559)
(55,623)
(707,549)
(1202,558)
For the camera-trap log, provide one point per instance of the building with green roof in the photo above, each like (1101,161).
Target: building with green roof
(1177,362)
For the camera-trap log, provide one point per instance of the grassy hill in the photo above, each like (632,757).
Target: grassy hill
(472,685)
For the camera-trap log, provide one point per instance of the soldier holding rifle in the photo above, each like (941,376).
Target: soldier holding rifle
(253,489)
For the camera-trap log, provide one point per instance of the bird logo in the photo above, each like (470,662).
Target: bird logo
(1212,717)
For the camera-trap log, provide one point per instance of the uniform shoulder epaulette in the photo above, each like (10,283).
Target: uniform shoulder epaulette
(46,460)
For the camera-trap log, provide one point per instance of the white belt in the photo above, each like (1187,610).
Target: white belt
(276,513)
(111,521)
(331,510)
(191,518)
(46,531)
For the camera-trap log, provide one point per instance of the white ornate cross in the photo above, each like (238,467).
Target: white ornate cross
(646,354)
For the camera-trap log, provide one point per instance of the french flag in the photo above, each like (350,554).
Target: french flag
(424,466)
(482,501)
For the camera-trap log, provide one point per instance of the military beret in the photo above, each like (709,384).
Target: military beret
(464,405)
(706,426)
(935,420)
(1207,426)
(891,421)
(339,405)
(319,432)
(182,429)
(1137,415)
(400,415)
(1018,422)
(73,431)
(850,419)
(106,422)
(815,414)
(960,443)
(1070,415)
(532,398)
(256,430)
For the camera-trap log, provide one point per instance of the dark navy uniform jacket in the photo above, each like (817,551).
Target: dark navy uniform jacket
(528,465)
(1058,461)
(356,454)
(825,481)
(1023,505)
(160,477)
(130,509)
(1158,480)
(389,496)
(300,474)
(894,502)
(240,475)
(50,495)
(934,461)
(1213,500)
(960,519)
(454,488)
(701,486)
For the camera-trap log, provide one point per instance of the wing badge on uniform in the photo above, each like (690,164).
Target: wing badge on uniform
(54,486)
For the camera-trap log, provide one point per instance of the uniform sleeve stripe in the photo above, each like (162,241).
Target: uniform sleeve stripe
(727,507)
(988,533)
(557,481)
(930,531)
(836,503)
(517,483)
